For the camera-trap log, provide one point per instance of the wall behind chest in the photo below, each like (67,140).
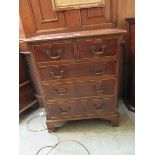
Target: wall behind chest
(39,17)
(126,9)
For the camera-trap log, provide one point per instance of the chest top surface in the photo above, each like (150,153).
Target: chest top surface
(75,35)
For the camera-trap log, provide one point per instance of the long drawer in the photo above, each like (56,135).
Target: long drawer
(79,89)
(81,107)
(78,70)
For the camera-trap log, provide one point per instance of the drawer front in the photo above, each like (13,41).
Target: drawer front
(79,89)
(54,52)
(67,108)
(60,91)
(97,48)
(82,107)
(93,69)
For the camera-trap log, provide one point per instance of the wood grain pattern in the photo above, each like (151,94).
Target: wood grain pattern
(97,47)
(38,17)
(126,9)
(41,16)
(80,70)
(54,51)
(26,17)
(83,108)
(75,59)
(72,90)
(21,30)
(85,82)
(76,35)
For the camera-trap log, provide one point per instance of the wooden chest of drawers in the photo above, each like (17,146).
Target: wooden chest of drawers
(78,74)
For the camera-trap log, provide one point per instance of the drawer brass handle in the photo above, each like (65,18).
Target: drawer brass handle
(100,72)
(58,76)
(61,94)
(58,55)
(103,88)
(64,111)
(94,52)
(98,107)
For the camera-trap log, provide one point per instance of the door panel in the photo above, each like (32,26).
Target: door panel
(38,17)
(44,15)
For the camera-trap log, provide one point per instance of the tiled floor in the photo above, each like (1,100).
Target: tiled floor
(98,136)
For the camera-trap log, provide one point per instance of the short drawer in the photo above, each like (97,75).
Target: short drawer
(80,70)
(54,51)
(82,107)
(79,89)
(90,48)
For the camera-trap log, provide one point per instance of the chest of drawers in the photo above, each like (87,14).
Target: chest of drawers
(78,74)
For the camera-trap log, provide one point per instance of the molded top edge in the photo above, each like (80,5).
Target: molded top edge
(77,34)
